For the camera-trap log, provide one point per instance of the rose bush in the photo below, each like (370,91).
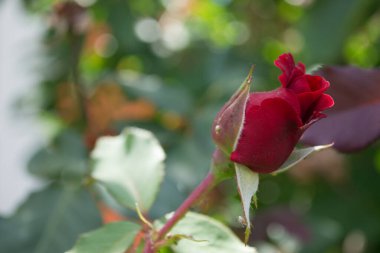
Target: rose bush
(261,129)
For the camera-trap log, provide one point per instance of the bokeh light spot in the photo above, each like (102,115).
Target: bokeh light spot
(85,3)
(105,45)
(354,242)
(175,35)
(148,30)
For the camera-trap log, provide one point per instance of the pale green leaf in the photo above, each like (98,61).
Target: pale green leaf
(206,235)
(130,166)
(298,155)
(112,238)
(248,182)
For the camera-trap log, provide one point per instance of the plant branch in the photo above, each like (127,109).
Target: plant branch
(76,47)
(207,183)
(149,248)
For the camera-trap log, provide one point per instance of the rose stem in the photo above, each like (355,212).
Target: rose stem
(203,187)
(207,183)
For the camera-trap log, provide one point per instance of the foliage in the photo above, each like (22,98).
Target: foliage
(49,221)
(169,67)
(113,238)
(207,235)
(130,167)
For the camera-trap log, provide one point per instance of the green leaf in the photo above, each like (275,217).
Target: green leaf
(130,166)
(298,155)
(64,159)
(49,221)
(112,238)
(248,182)
(210,236)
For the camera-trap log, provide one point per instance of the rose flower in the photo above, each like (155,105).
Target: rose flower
(261,129)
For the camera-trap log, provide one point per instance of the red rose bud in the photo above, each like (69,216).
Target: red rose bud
(274,120)
(228,122)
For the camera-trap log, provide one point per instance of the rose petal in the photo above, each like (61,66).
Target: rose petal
(309,84)
(317,83)
(300,85)
(312,102)
(324,102)
(270,133)
(285,62)
(257,98)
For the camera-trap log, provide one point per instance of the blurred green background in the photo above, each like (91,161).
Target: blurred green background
(168,66)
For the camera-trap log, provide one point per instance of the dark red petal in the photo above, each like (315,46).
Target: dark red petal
(307,83)
(300,85)
(269,135)
(286,63)
(314,118)
(317,83)
(312,102)
(324,102)
(256,98)
(307,100)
